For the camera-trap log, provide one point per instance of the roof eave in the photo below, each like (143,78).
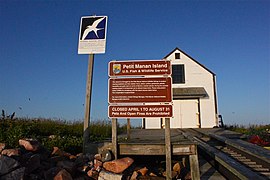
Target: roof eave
(190,58)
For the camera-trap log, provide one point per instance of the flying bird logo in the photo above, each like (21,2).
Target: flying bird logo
(93,28)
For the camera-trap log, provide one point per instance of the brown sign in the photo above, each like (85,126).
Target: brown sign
(132,90)
(140,68)
(142,111)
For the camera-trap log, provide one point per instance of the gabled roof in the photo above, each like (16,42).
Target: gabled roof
(190,58)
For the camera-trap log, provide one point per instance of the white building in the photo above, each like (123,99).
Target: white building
(194,95)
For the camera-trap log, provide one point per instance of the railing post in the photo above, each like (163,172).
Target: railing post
(168,149)
(114,137)
(128,128)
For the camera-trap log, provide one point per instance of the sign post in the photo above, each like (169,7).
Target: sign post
(92,40)
(86,130)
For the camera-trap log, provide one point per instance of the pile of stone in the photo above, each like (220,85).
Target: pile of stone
(33,161)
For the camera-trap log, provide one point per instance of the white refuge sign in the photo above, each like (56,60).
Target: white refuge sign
(92,35)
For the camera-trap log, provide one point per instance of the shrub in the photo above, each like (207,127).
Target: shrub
(257,134)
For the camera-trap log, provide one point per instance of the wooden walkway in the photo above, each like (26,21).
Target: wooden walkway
(166,142)
(152,142)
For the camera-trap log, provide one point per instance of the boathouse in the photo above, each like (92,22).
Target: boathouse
(194,95)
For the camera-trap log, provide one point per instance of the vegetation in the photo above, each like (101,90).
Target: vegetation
(256,134)
(66,135)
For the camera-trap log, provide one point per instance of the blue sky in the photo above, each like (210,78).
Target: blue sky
(41,74)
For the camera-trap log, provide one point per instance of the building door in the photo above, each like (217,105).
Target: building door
(186,114)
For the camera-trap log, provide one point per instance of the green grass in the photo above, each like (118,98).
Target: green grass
(68,136)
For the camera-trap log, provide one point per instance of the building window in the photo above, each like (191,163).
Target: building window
(178,74)
(177,55)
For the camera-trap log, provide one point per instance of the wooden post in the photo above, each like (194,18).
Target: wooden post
(114,137)
(128,128)
(86,128)
(168,149)
(194,165)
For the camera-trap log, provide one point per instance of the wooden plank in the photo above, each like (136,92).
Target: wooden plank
(154,149)
(114,137)
(188,149)
(141,149)
(154,136)
(168,149)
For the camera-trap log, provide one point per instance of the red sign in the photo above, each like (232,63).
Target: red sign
(140,68)
(142,111)
(133,90)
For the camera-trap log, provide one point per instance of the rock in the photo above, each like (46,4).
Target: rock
(104,175)
(62,175)
(51,137)
(90,172)
(183,173)
(188,176)
(177,168)
(93,174)
(72,157)
(44,153)
(56,159)
(173,174)
(143,171)
(89,157)
(58,152)
(33,163)
(80,177)
(67,165)
(91,163)
(25,156)
(83,159)
(33,176)
(98,157)
(2,146)
(152,174)
(79,155)
(7,164)
(10,152)
(83,168)
(29,144)
(16,174)
(51,173)
(106,156)
(97,163)
(134,175)
(119,165)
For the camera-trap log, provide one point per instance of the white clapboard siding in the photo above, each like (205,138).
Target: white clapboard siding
(191,111)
